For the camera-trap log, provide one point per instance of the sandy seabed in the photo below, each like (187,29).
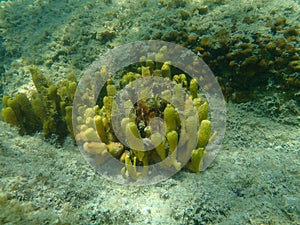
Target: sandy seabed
(255,179)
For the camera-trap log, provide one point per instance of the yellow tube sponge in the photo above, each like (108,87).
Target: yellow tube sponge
(130,168)
(40,82)
(170,118)
(150,64)
(115,148)
(146,71)
(134,140)
(30,122)
(100,128)
(166,70)
(202,111)
(104,71)
(95,148)
(91,134)
(49,127)
(108,103)
(39,107)
(111,90)
(172,138)
(25,116)
(191,127)
(72,86)
(204,133)
(15,106)
(9,116)
(196,162)
(160,144)
(194,88)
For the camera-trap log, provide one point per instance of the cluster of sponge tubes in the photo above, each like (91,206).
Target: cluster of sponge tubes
(94,125)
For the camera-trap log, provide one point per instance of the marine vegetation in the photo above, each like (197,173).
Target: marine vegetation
(153,128)
(47,109)
(144,128)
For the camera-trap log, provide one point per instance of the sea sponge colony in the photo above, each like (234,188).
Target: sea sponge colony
(148,130)
(143,129)
(48,109)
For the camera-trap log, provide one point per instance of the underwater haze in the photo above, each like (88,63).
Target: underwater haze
(253,51)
